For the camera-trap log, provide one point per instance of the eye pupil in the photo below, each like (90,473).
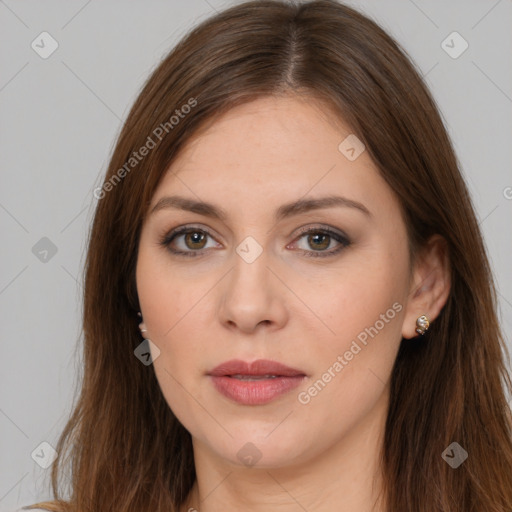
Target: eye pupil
(196,237)
(319,237)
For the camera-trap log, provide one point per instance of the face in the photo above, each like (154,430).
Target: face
(319,287)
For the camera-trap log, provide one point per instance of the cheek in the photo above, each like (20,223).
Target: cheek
(165,297)
(364,310)
(362,297)
(173,323)
(173,311)
(353,367)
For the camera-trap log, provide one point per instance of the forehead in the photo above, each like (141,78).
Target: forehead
(274,150)
(269,128)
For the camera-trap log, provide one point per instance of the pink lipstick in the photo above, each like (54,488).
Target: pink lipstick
(254,383)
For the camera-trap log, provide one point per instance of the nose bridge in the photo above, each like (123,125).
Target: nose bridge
(251,294)
(250,274)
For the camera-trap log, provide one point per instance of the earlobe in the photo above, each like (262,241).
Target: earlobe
(430,289)
(142,325)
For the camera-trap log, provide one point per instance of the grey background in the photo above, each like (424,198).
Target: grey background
(59,120)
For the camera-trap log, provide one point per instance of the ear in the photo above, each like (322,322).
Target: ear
(430,285)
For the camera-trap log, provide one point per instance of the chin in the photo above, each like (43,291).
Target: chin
(258,449)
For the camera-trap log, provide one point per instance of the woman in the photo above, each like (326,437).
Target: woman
(288,305)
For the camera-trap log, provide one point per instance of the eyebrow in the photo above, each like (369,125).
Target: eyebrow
(284,211)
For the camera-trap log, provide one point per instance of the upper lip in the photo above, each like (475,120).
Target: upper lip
(258,367)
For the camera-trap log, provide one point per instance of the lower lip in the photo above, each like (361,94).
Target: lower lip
(255,392)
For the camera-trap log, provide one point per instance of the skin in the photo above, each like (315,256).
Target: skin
(302,311)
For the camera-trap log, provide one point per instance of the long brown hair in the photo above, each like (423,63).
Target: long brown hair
(123,447)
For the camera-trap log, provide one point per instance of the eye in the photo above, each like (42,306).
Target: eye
(321,239)
(190,240)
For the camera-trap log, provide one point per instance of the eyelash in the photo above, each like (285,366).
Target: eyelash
(340,238)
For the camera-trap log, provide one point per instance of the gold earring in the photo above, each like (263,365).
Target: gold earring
(422,324)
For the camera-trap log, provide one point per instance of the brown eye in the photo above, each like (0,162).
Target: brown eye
(187,241)
(319,241)
(195,239)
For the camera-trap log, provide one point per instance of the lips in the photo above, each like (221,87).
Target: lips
(255,383)
(259,368)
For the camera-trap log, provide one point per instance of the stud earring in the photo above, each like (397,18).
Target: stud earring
(142,330)
(422,324)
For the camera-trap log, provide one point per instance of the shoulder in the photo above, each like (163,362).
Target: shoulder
(44,506)
(27,509)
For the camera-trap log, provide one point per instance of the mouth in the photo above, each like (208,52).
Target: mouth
(261,368)
(253,377)
(255,383)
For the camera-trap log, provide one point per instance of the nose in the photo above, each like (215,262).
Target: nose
(252,297)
